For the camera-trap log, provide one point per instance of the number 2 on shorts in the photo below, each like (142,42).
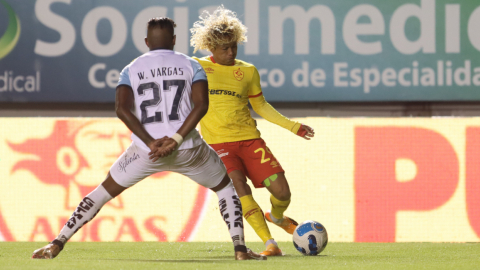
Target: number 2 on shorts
(263,160)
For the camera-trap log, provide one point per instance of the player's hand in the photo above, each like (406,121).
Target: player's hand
(306,132)
(155,144)
(168,147)
(163,149)
(154,147)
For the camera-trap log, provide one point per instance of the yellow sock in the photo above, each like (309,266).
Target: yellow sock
(278,207)
(254,215)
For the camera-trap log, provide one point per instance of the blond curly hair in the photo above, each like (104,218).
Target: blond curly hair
(213,30)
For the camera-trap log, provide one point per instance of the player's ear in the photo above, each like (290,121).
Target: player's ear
(146,42)
(174,39)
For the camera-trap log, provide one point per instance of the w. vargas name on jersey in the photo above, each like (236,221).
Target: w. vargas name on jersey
(163,71)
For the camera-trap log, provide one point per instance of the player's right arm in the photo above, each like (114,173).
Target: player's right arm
(124,102)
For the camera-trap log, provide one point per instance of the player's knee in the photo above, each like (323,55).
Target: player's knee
(112,187)
(278,187)
(283,195)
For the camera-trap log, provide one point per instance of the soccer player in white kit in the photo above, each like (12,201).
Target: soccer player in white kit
(169,94)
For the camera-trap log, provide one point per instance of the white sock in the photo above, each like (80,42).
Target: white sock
(270,241)
(231,211)
(275,220)
(86,211)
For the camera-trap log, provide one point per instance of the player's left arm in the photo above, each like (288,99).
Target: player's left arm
(200,103)
(265,110)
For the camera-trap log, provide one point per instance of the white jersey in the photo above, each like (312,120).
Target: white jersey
(162,86)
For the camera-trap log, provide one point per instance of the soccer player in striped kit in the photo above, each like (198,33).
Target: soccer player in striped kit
(230,129)
(169,94)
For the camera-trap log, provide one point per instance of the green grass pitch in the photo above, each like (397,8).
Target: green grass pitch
(154,255)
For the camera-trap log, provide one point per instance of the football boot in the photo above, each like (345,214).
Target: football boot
(288,224)
(49,251)
(272,250)
(249,255)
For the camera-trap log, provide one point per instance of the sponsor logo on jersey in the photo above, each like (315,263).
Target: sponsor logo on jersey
(209,70)
(224,92)
(238,74)
(59,162)
(12,33)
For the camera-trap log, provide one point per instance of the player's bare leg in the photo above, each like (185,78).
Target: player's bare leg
(86,211)
(277,185)
(231,211)
(253,213)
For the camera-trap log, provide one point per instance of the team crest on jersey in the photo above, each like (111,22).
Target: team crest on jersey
(209,70)
(238,74)
(58,162)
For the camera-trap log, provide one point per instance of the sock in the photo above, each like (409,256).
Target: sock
(86,211)
(231,211)
(278,208)
(254,215)
(271,241)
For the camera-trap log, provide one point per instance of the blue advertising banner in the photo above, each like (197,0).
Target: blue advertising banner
(350,50)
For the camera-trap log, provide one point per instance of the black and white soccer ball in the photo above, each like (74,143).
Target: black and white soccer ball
(310,238)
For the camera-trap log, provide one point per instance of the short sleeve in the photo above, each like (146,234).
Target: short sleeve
(198,72)
(125,77)
(255,88)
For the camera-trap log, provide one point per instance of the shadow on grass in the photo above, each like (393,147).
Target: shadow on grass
(218,259)
(213,259)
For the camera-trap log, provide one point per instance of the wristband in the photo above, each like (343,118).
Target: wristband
(178,138)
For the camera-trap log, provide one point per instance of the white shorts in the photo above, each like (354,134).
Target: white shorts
(201,164)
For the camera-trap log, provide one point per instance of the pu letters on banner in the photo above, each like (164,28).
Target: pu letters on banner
(472,178)
(378,194)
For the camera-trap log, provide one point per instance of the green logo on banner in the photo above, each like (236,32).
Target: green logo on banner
(10,38)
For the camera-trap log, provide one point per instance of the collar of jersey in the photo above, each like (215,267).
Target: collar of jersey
(161,51)
(213,61)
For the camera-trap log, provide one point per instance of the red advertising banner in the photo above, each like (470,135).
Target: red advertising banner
(366,180)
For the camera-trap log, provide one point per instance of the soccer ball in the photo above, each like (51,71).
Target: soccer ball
(310,238)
